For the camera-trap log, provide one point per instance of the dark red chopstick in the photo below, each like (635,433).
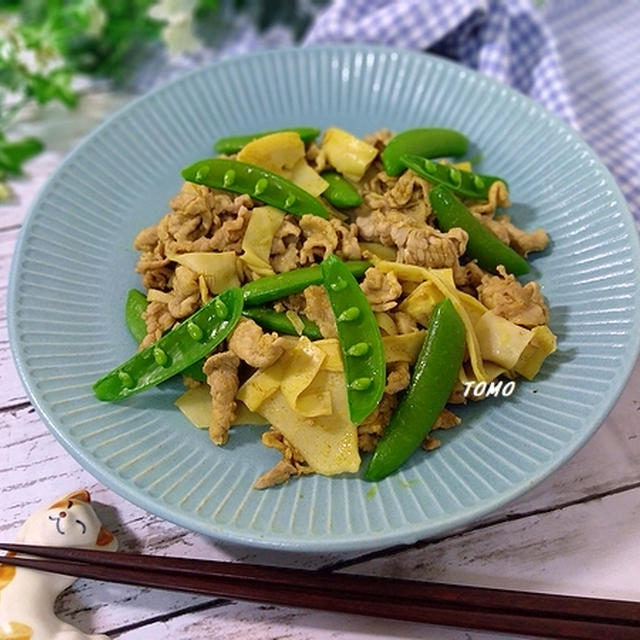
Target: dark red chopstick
(535,614)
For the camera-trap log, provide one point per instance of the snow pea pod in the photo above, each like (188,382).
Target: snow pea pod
(433,378)
(427,143)
(280,285)
(233,144)
(277,321)
(359,337)
(340,192)
(175,350)
(134,307)
(261,184)
(464,183)
(482,245)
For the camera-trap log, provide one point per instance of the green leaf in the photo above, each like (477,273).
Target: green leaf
(55,86)
(13,154)
(208,5)
(10,5)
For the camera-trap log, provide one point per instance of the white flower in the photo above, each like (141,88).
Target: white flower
(180,37)
(172,9)
(97,18)
(178,32)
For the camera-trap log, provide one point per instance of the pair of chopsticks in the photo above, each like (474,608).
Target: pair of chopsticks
(535,614)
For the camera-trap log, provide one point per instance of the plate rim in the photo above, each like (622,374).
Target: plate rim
(354,541)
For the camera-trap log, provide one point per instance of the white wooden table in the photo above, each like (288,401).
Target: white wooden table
(578,532)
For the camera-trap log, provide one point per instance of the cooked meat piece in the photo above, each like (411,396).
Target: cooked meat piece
(318,309)
(446,420)
(256,348)
(498,196)
(398,377)
(348,247)
(523,241)
(429,247)
(316,157)
(417,243)
(198,217)
(292,463)
(506,297)
(279,474)
(377,227)
(152,264)
(195,213)
(284,248)
(468,275)
(221,370)
(185,294)
(379,139)
(287,260)
(382,289)
(406,187)
(321,239)
(457,394)
(229,236)
(156,271)
(158,320)
(373,426)
(295,302)
(146,239)
(198,200)
(430,443)
(498,230)
(406,194)
(410,195)
(404,322)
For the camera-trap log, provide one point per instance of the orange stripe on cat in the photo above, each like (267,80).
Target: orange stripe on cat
(81,494)
(17,631)
(7,572)
(104,537)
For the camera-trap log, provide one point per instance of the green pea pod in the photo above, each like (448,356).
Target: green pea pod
(340,192)
(263,185)
(359,336)
(175,350)
(482,245)
(278,321)
(428,143)
(280,285)
(433,379)
(233,144)
(195,371)
(134,307)
(464,183)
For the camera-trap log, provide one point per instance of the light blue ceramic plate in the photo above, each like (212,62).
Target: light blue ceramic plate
(75,262)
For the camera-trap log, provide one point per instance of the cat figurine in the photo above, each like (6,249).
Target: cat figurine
(27,597)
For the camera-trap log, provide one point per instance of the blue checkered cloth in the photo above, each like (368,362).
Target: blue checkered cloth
(580,60)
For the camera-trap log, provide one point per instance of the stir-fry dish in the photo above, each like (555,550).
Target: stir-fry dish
(345,292)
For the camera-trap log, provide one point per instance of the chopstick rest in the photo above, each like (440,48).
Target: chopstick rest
(27,598)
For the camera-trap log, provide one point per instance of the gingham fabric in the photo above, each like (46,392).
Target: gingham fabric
(578,58)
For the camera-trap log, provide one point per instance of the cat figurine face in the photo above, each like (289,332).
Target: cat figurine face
(27,597)
(68,522)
